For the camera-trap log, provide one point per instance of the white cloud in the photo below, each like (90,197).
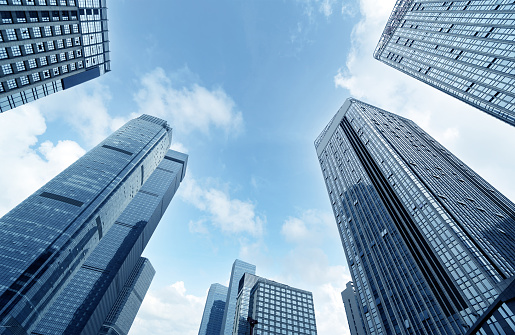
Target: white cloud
(469,133)
(188,109)
(25,165)
(310,228)
(169,311)
(231,216)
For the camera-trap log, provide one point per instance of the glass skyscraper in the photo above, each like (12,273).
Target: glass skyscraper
(463,48)
(46,239)
(86,301)
(429,243)
(354,320)
(277,308)
(238,269)
(47,46)
(212,318)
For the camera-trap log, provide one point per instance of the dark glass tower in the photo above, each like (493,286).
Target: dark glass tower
(238,269)
(47,46)
(212,318)
(429,243)
(86,301)
(46,239)
(277,308)
(354,320)
(463,48)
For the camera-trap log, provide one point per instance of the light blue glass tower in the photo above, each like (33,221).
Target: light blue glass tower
(429,243)
(463,48)
(238,269)
(85,302)
(46,239)
(212,318)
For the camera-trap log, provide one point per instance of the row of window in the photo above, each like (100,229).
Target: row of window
(38,32)
(39,2)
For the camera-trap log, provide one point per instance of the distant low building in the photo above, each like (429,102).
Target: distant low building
(212,318)
(356,325)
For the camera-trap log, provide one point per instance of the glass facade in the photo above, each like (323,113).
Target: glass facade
(50,45)
(463,48)
(278,308)
(88,298)
(429,243)
(45,240)
(212,318)
(124,310)
(238,269)
(356,325)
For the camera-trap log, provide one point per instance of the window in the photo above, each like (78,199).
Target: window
(24,80)
(56,71)
(53,59)
(60,44)
(48,31)
(32,64)
(16,50)
(50,45)
(62,57)
(11,83)
(20,66)
(43,61)
(36,31)
(57,30)
(40,47)
(64,68)
(46,74)
(7,69)
(3,53)
(11,34)
(28,49)
(25,33)
(36,77)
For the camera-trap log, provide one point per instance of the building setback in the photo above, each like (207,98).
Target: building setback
(212,318)
(238,269)
(47,46)
(429,243)
(46,239)
(356,325)
(87,300)
(463,48)
(277,308)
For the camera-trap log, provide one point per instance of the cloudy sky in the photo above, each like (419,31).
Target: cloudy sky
(247,86)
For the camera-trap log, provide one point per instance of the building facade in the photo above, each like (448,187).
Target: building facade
(212,318)
(463,48)
(354,320)
(238,269)
(46,239)
(124,310)
(47,46)
(95,290)
(277,308)
(429,243)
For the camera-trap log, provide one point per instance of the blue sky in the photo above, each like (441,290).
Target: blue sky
(247,87)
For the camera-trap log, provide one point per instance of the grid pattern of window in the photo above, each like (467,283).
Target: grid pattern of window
(427,240)
(463,48)
(64,221)
(72,36)
(278,308)
(212,317)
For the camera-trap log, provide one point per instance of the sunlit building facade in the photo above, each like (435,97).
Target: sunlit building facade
(47,46)
(212,317)
(463,48)
(238,269)
(277,308)
(47,238)
(429,243)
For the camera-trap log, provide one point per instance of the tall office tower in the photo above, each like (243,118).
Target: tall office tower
(463,48)
(98,286)
(277,308)
(352,311)
(47,46)
(121,316)
(45,240)
(212,318)
(429,243)
(238,269)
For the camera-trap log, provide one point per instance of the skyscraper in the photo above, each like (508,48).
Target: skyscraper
(238,269)
(115,277)
(277,308)
(47,46)
(429,243)
(212,318)
(45,240)
(463,48)
(352,310)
